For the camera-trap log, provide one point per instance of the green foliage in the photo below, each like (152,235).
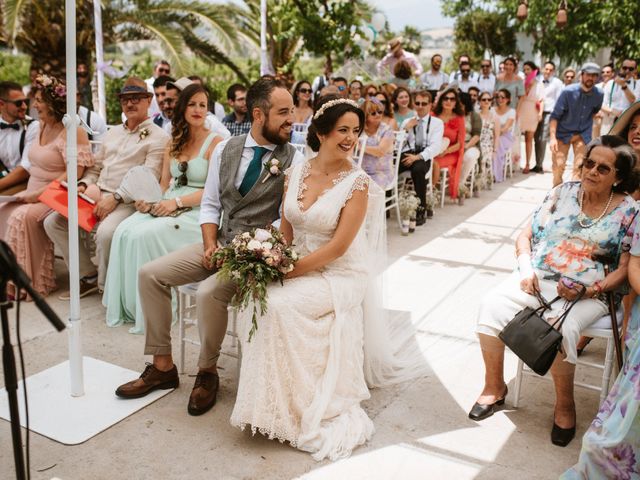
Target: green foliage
(14,67)
(412,39)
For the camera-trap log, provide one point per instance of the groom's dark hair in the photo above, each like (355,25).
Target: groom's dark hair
(259,94)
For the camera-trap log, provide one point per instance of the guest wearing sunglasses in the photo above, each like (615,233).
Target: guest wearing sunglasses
(16,134)
(160,68)
(450,111)
(385,100)
(581,230)
(302,105)
(138,141)
(377,160)
(154,230)
(506,118)
(341,84)
(489,135)
(370,91)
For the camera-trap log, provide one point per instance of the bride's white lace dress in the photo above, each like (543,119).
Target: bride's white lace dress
(302,377)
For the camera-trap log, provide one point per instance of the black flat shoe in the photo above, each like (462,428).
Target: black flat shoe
(480,412)
(562,436)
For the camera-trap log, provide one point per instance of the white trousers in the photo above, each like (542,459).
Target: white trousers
(501,304)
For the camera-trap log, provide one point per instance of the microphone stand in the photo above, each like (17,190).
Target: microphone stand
(10,270)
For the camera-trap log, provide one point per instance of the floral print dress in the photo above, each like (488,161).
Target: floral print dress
(611,445)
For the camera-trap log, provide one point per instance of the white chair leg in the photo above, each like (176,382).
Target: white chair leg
(608,368)
(444,177)
(518,384)
(181,307)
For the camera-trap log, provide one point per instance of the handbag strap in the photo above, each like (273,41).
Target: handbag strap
(544,305)
(560,320)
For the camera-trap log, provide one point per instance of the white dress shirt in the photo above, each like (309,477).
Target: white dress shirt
(211,122)
(615,97)
(10,144)
(487,83)
(552,90)
(464,85)
(454,76)
(433,80)
(210,206)
(154,108)
(432,129)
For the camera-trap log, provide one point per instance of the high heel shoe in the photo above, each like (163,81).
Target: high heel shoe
(480,412)
(562,436)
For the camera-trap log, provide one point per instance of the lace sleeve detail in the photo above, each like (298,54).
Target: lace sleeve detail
(361,182)
(287,175)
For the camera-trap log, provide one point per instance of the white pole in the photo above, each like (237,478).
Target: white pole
(264,59)
(97,15)
(71,124)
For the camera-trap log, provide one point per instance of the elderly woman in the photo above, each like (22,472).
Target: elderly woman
(377,161)
(582,230)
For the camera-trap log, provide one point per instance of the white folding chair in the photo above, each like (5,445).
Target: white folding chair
(391,189)
(444,184)
(508,165)
(301,147)
(187,318)
(487,171)
(358,152)
(601,329)
(299,133)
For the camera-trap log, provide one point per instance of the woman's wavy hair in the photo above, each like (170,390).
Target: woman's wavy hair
(296,91)
(179,127)
(325,123)
(54,95)
(388,107)
(457,109)
(626,159)
(396,93)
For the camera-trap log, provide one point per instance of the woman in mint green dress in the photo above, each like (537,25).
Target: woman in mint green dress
(611,445)
(153,231)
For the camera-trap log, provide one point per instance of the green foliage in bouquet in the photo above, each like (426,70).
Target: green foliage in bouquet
(253,260)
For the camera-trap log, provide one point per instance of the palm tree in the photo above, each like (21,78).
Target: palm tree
(183,28)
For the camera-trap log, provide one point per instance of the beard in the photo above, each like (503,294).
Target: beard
(274,135)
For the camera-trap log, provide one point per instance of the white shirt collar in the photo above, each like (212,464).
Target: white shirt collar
(250,142)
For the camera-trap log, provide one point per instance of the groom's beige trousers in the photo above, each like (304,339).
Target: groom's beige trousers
(181,267)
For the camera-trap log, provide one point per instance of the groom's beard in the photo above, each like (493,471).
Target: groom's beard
(276,135)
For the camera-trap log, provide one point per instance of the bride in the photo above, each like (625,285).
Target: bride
(306,369)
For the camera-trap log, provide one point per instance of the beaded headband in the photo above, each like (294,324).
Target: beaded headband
(333,103)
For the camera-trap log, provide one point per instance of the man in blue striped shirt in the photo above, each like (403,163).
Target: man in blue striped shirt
(572,120)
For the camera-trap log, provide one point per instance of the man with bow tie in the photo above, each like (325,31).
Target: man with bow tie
(619,93)
(16,134)
(552,86)
(235,186)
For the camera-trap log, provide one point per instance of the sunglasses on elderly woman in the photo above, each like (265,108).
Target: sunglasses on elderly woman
(182,180)
(602,169)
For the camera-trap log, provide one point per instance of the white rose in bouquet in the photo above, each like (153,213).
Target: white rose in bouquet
(262,235)
(254,245)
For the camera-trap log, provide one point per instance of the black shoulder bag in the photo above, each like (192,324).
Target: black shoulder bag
(534,340)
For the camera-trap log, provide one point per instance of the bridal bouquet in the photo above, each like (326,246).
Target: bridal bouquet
(252,260)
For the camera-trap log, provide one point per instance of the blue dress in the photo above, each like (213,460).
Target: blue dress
(142,238)
(611,445)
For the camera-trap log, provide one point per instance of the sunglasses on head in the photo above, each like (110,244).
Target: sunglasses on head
(182,180)
(18,103)
(602,169)
(305,90)
(421,104)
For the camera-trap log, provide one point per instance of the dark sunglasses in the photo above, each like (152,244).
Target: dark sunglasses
(342,88)
(166,71)
(602,169)
(372,93)
(449,99)
(421,104)
(501,97)
(305,90)
(383,102)
(18,103)
(485,99)
(485,66)
(373,113)
(134,99)
(182,180)
(626,68)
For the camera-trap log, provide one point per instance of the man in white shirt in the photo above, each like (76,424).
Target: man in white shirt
(552,86)
(424,139)
(160,92)
(16,134)
(397,53)
(435,79)
(232,188)
(619,93)
(486,78)
(161,67)
(454,76)
(465,79)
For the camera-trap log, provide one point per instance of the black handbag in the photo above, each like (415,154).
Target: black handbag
(534,340)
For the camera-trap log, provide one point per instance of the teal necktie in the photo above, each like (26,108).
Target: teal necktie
(253,172)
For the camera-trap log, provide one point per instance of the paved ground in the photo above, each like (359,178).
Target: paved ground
(437,276)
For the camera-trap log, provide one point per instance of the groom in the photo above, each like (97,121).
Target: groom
(234,186)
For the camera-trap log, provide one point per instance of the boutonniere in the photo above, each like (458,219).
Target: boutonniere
(144,133)
(272,166)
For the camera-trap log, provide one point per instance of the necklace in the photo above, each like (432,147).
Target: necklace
(589,225)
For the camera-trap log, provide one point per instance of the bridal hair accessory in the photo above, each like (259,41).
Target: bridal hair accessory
(333,103)
(272,166)
(52,85)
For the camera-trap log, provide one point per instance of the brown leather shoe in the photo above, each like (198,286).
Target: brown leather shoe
(152,379)
(203,395)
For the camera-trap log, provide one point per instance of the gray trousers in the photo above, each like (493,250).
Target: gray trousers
(155,280)
(57,229)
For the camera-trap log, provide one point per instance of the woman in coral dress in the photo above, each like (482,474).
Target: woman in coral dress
(21,221)
(450,111)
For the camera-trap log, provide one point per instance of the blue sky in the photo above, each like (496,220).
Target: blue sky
(418,13)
